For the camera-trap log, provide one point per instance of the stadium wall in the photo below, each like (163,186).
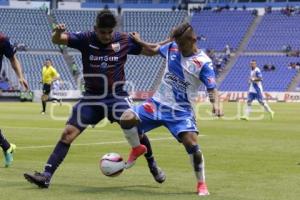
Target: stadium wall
(235,96)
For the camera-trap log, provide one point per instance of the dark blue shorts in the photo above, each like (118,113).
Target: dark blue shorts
(252,96)
(91,111)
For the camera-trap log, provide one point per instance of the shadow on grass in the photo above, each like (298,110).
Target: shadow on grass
(140,190)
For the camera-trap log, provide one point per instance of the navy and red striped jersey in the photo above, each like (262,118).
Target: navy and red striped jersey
(103,65)
(5,48)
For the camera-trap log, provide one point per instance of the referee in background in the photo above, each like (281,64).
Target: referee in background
(49,74)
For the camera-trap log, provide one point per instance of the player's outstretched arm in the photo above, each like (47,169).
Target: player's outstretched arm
(215,101)
(18,70)
(148,49)
(59,36)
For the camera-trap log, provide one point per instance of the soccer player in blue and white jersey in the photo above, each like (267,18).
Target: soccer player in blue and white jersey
(256,91)
(172,104)
(56,87)
(7,49)
(104,53)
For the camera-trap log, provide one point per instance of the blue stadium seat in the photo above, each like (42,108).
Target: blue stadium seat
(28,26)
(221,28)
(277,80)
(275,31)
(143,71)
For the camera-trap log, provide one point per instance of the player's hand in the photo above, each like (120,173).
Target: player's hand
(24,83)
(135,36)
(252,79)
(217,112)
(60,28)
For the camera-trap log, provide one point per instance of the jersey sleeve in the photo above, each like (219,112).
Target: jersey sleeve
(8,49)
(133,47)
(76,40)
(207,76)
(258,74)
(54,73)
(163,50)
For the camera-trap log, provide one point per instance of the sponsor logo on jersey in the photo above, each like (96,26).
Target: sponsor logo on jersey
(104,58)
(176,82)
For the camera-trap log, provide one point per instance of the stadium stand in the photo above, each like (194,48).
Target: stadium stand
(298,87)
(221,28)
(33,62)
(140,70)
(28,26)
(276,31)
(72,18)
(218,28)
(275,80)
(4,2)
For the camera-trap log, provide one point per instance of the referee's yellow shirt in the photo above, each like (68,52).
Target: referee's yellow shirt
(48,74)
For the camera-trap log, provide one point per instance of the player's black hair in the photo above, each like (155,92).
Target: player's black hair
(106,19)
(181,29)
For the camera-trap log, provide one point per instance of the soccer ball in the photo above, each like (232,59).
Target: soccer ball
(112,164)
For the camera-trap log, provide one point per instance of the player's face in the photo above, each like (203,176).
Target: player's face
(185,44)
(104,35)
(253,65)
(48,63)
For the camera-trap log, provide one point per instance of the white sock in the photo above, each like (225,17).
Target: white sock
(247,111)
(132,136)
(200,175)
(267,107)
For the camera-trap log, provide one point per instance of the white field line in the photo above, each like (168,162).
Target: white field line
(57,129)
(95,143)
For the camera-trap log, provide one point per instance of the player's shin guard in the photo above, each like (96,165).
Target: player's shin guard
(132,136)
(56,158)
(3,142)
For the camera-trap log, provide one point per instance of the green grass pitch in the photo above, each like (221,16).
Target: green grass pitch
(245,160)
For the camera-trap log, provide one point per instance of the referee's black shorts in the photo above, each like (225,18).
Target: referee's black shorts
(46,89)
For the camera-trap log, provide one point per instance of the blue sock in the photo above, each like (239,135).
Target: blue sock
(3,142)
(149,155)
(56,158)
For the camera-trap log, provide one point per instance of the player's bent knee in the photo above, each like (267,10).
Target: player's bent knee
(188,138)
(128,120)
(69,135)
(44,97)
